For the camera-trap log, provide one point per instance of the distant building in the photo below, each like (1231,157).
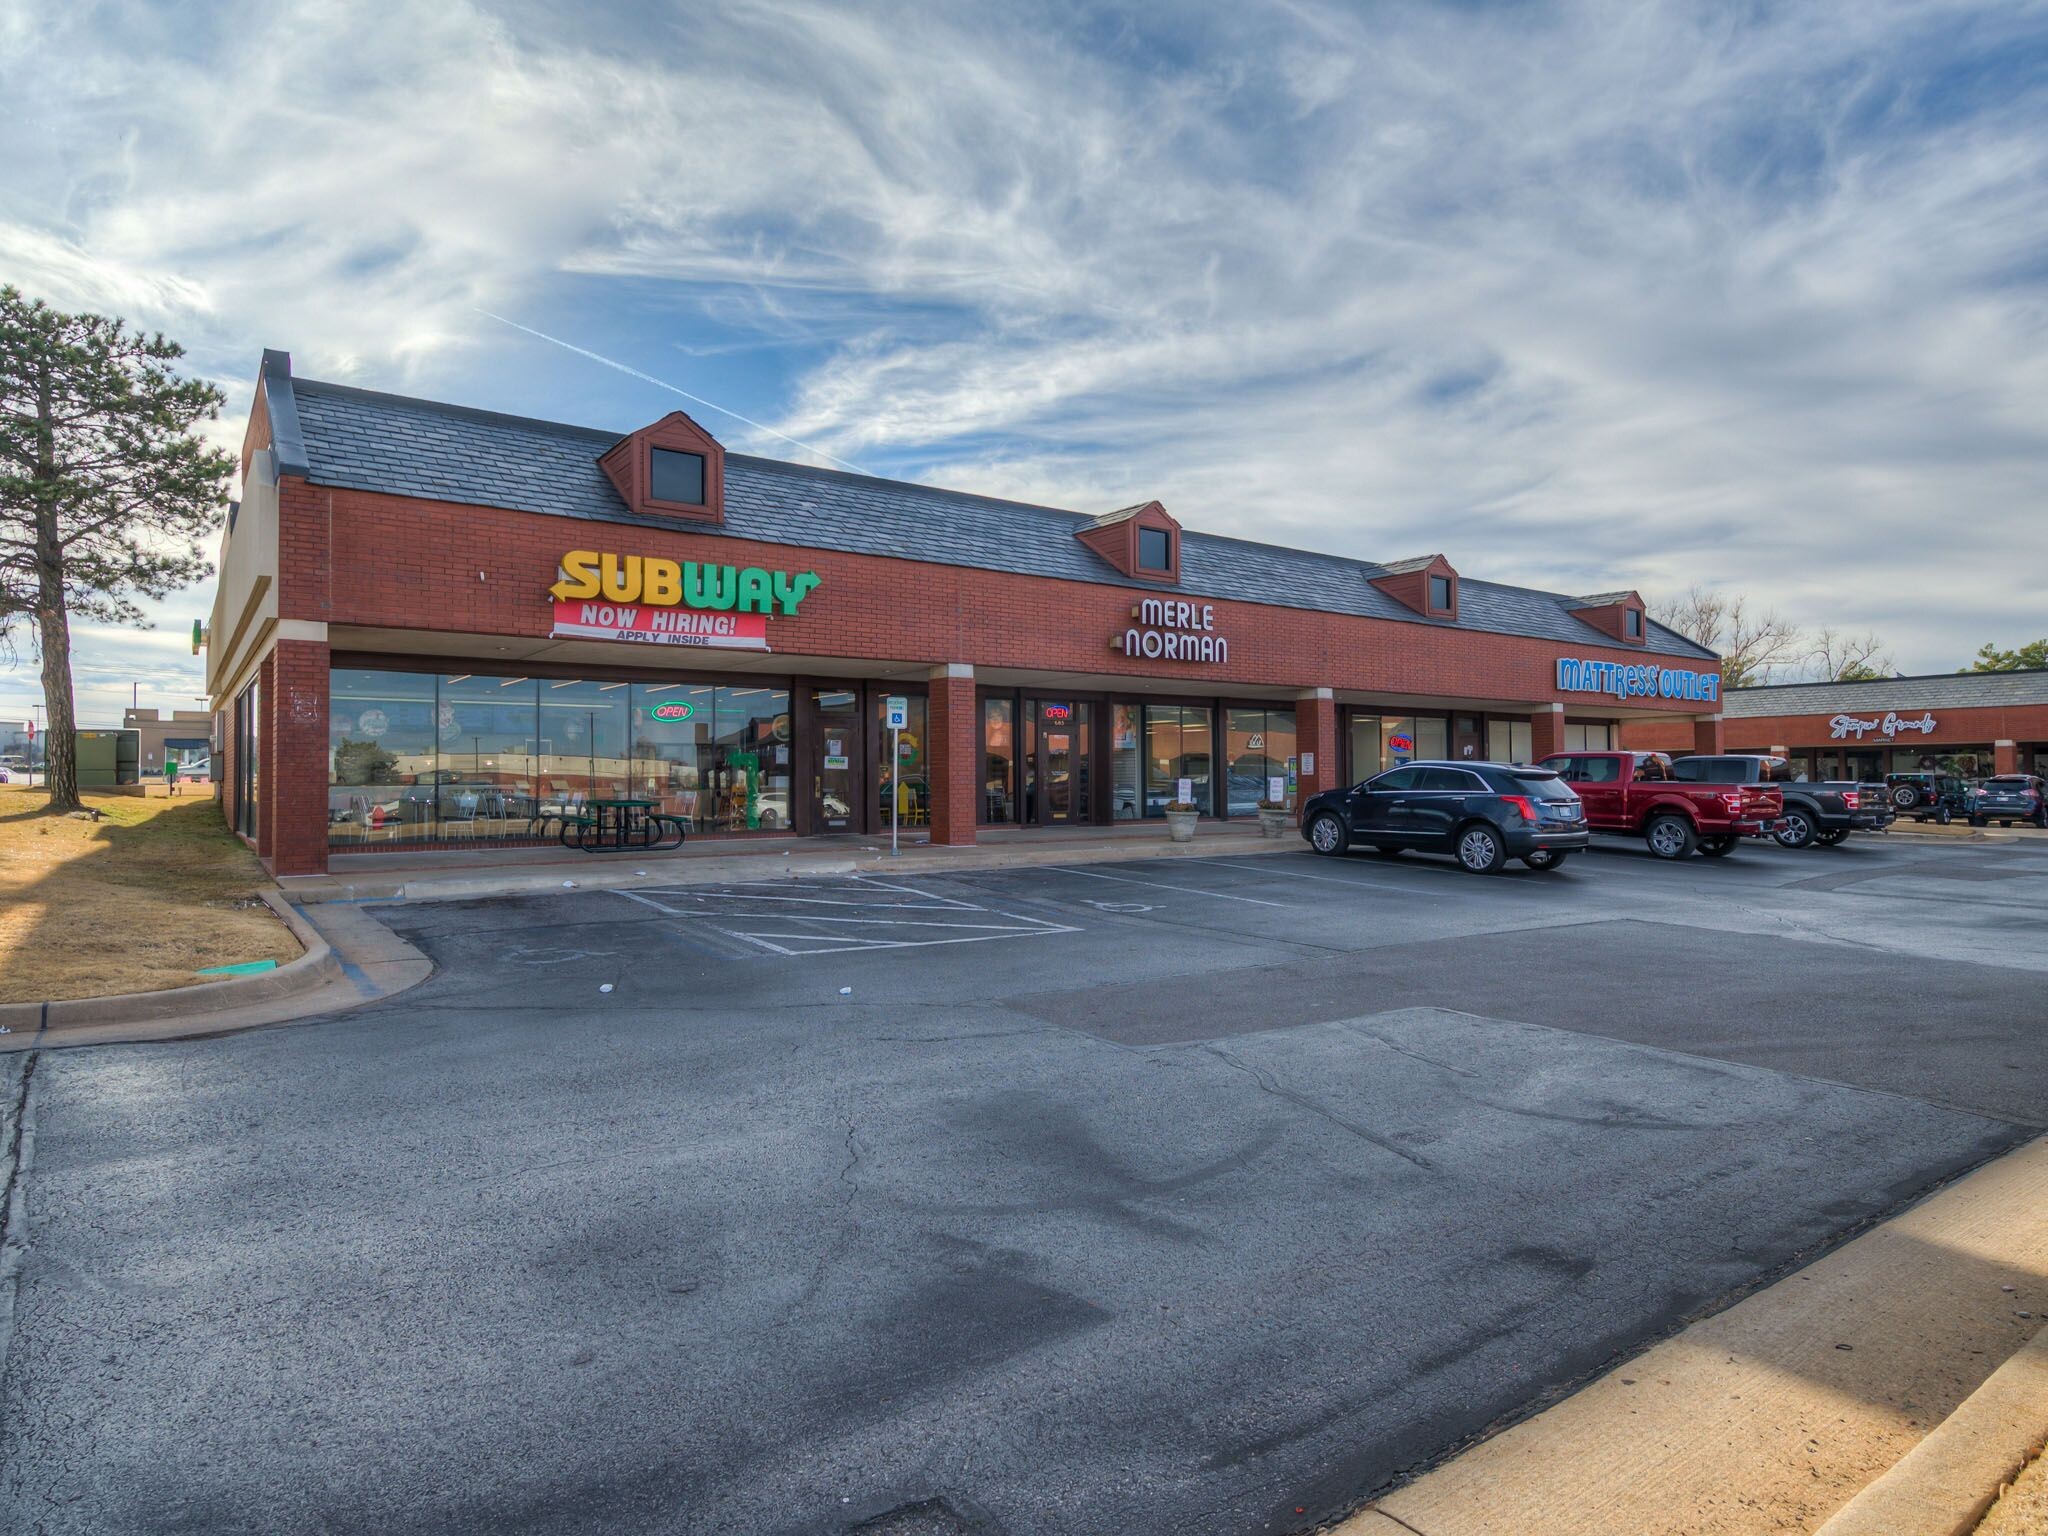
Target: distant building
(187,737)
(19,743)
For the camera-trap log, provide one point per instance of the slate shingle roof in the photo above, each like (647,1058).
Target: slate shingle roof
(1599,600)
(1940,690)
(367,441)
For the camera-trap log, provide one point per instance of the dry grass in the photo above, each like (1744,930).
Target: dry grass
(2023,1511)
(132,903)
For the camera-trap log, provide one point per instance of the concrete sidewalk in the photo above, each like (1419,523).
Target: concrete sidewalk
(460,876)
(1775,1414)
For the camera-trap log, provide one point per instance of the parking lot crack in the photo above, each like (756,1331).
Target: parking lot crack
(1269,1084)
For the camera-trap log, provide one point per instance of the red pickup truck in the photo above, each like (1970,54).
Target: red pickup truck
(1634,793)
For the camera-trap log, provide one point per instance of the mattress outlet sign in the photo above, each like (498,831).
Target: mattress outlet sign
(1639,682)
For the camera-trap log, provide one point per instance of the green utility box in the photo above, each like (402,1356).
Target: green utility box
(108,758)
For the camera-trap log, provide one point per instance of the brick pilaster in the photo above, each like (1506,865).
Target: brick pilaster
(295,753)
(1546,732)
(1315,735)
(953,751)
(1709,737)
(2005,757)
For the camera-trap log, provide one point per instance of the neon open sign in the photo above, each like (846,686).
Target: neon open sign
(1400,743)
(1058,711)
(673,709)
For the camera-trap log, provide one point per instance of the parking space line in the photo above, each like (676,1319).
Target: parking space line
(763,939)
(1161,885)
(1364,880)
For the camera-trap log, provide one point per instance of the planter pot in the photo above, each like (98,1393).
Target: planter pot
(1274,823)
(1180,825)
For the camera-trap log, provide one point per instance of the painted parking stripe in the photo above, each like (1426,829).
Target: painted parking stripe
(1161,885)
(1362,880)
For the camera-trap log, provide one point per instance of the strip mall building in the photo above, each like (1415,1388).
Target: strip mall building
(437,626)
(1968,723)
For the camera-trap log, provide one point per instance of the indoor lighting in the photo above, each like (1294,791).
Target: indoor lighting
(510,681)
(608,687)
(462,679)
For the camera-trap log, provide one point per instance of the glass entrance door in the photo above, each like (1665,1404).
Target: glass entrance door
(835,758)
(1056,760)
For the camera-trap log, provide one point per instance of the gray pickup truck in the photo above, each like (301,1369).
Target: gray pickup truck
(1816,813)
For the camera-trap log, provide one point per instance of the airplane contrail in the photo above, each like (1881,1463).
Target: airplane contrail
(598,357)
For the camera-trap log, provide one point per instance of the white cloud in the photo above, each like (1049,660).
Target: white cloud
(1588,295)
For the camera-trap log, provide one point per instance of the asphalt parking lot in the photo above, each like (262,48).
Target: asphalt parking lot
(1190,1195)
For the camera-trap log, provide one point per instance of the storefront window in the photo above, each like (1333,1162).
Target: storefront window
(672,725)
(999,761)
(749,776)
(1397,741)
(913,790)
(1432,741)
(382,757)
(1964,762)
(248,754)
(414,756)
(1365,747)
(1179,744)
(585,741)
(1126,762)
(1259,748)
(1579,737)
(1509,741)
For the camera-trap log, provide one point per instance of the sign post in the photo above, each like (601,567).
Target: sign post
(899,716)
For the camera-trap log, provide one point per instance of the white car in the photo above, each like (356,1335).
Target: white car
(19,773)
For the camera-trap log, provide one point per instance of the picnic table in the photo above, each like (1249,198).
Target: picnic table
(620,826)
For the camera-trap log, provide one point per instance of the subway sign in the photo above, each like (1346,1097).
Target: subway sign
(651,601)
(1637,682)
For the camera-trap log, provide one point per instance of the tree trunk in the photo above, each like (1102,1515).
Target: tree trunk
(53,622)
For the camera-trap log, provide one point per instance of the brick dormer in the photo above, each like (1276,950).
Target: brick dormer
(671,469)
(1427,584)
(1617,615)
(1141,541)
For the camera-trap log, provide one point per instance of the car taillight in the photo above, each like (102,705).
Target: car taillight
(1522,804)
(1733,799)
(1851,798)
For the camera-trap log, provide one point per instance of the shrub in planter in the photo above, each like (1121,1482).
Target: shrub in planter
(1273,817)
(1181,816)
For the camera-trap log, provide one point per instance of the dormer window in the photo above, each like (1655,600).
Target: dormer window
(675,477)
(1632,621)
(1155,550)
(1141,541)
(1439,594)
(671,469)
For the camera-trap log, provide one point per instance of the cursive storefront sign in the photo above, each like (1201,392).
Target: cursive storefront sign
(1888,726)
(1170,630)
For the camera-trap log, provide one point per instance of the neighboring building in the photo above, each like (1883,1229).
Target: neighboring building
(1970,723)
(187,736)
(20,742)
(438,626)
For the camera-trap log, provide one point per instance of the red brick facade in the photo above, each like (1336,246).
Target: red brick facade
(2017,737)
(357,561)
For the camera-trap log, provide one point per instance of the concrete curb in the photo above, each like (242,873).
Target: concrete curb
(314,969)
(1943,1486)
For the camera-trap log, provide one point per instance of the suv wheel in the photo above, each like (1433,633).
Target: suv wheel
(1795,830)
(1905,797)
(1480,850)
(1326,834)
(1671,837)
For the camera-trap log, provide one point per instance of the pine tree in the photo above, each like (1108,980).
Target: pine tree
(104,488)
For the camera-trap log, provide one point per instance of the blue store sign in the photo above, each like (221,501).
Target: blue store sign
(1637,682)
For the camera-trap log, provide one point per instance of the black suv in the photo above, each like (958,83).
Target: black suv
(2008,798)
(1928,796)
(1484,813)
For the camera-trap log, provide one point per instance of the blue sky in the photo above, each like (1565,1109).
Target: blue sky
(1583,295)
